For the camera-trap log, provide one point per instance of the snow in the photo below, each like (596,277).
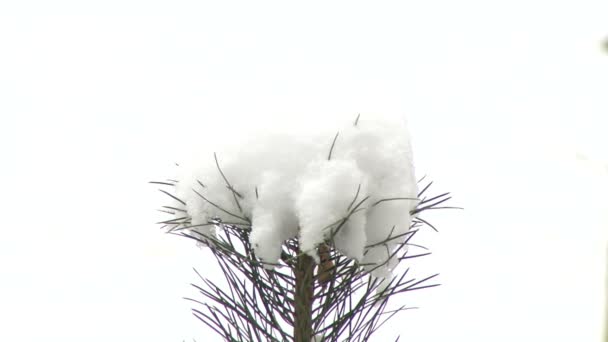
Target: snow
(288,185)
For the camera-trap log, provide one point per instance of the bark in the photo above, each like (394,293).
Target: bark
(326,268)
(303,298)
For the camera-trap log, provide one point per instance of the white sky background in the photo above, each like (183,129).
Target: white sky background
(505,100)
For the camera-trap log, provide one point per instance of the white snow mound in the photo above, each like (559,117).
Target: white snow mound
(287,186)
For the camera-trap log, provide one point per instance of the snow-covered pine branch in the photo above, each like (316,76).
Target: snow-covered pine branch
(353,184)
(269,208)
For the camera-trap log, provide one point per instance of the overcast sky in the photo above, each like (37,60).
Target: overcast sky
(505,102)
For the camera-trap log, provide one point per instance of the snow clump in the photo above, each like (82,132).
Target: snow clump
(288,185)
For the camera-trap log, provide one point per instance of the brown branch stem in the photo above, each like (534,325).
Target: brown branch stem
(303,298)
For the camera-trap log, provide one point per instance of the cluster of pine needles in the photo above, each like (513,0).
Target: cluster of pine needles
(342,301)
(259,303)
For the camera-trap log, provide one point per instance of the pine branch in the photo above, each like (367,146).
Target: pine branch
(289,302)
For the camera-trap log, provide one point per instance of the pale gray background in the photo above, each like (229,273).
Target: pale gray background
(505,100)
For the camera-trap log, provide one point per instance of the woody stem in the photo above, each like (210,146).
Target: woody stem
(303,298)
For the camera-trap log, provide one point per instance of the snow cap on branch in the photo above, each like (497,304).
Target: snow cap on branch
(352,186)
